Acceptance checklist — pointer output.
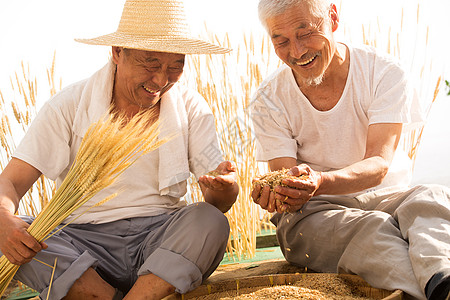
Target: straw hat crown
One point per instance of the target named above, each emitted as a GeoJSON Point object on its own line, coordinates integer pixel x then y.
{"type": "Point", "coordinates": [155, 25]}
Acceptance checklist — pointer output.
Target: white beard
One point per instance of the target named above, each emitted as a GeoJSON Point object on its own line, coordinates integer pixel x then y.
{"type": "Point", "coordinates": [314, 81]}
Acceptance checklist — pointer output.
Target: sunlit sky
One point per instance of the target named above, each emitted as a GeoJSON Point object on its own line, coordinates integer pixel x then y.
{"type": "Point", "coordinates": [30, 31]}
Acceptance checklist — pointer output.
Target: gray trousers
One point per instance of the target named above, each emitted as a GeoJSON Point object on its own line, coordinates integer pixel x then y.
{"type": "Point", "coordinates": [394, 240]}
{"type": "Point", "coordinates": [182, 248]}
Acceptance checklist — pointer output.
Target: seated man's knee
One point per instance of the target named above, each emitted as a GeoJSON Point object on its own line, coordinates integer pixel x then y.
{"type": "Point", "coordinates": [210, 218]}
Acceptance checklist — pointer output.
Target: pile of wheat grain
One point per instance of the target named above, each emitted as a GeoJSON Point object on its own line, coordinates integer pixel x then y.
{"type": "Point", "coordinates": [314, 287]}
{"type": "Point", "coordinates": [275, 178]}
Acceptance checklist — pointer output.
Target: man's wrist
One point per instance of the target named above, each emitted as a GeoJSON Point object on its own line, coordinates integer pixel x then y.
{"type": "Point", "coordinates": [321, 183]}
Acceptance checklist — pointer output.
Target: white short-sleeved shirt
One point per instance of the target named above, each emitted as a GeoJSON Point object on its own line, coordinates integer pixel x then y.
{"type": "Point", "coordinates": [155, 183]}
{"type": "Point", "coordinates": [376, 91]}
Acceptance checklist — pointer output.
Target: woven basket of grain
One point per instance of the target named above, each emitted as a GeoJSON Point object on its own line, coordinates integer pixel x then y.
{"type": "Point", "coordinates": [291, 286]}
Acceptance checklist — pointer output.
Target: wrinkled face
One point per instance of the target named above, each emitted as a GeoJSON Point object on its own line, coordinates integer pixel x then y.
{"type": "Point", "coordinates": [304, 42]}
{"type": "Point", "coordinates": [142, 77]}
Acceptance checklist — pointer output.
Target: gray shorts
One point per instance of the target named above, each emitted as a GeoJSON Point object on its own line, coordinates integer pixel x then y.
{"type": "Point", "coordinates": [183, 248]}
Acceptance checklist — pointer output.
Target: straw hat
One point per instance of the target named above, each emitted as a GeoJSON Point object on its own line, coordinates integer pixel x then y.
{"type": "Point", "coordinates": [155, 25]}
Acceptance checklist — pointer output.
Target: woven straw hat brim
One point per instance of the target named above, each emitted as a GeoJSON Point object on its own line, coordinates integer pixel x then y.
{"type": "Point", "coordinates": [172, 44]}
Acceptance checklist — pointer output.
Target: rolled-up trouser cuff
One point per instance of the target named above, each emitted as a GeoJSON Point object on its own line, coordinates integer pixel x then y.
{"type": "Point", "coordinates": [61, 286]}
{"type": "Point", "coordinates": [173, 268]}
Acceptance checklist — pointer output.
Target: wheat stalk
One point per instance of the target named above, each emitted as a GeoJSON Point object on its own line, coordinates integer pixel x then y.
{"type": "Point", "coordinates": [109, 147]}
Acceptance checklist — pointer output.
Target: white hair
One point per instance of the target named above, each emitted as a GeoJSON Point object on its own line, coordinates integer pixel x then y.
{"type": "Point", "coordinates": [271, 8]}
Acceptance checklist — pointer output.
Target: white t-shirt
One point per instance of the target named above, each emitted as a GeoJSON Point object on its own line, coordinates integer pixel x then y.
{"type": "Point", "coordinates": [376, 91]}
{"type": "Point", "coordinates": [155, 183]}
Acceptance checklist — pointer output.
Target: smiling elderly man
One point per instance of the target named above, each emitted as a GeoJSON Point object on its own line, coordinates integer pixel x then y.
{"type": "Point", "coordinates": [145, 243]}
{"type": "Point", "coordinates": [335, 112]}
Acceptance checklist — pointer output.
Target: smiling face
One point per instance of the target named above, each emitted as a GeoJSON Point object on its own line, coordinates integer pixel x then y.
{"type": "Point", "coordinates": [304, 42]}
{"type": "Point", "coordinates": [142, 77]}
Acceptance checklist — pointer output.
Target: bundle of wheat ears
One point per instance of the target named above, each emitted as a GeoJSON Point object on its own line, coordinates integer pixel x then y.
{"type": "Point", "coordinates": [108, 148]}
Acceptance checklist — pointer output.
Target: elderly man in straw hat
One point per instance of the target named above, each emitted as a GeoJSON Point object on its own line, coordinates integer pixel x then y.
{"type": "Point", "coordinates": [145, 243]}
{"type": "Point", "coordinates": [335, 112]}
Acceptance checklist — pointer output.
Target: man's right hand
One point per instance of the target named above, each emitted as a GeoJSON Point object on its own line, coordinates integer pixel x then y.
{"type": "Point", "coordinates": [263, 196]}
{"type": "Point", "coordinates": [16, 243]}
{"type": "Point", "coordinates": [281, 199]}
{"type": "Point", "coordinates": [292, 196]}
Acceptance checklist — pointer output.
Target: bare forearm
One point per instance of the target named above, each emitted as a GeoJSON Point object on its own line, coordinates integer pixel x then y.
{"type": "Point", "coordinates": [223, 200]}
{"type": "Point", "coordinates": [15, 180]}
{"type": "Point", "coordinates": [9, 200]}
{"type": "Point", "coordinates": [354, 178]}
{"type": "Point", "coordinates": [221, 189]}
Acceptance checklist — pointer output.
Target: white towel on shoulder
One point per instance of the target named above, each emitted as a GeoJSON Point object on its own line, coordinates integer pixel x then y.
{"type": "Point", "coordinates": [173, 155]}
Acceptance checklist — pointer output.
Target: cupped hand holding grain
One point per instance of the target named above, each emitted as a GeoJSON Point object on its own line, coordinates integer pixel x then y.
{"type": "Point", "coordinates": [222, 178]}
{"type": "Point", "coordinates": [264, 196]}
{"type": "Point", "coordinates": [219, 187]}
{"type": "Point", "coordinates": [298, 188]}
{"type": "Point", "coordinates": [286, 190]}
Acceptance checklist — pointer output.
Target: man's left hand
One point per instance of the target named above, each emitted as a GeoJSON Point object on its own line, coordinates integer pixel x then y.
{"type": "Point", "coordinates": [222, 178]}
{"type": "Point", "coordinates": [219, 187]}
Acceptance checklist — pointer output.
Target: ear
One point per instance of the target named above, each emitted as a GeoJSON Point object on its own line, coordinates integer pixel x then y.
{"type": "Point", "coordinates": [334, 17]}
{"type": "Point", "coordinates": [116, 53]}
